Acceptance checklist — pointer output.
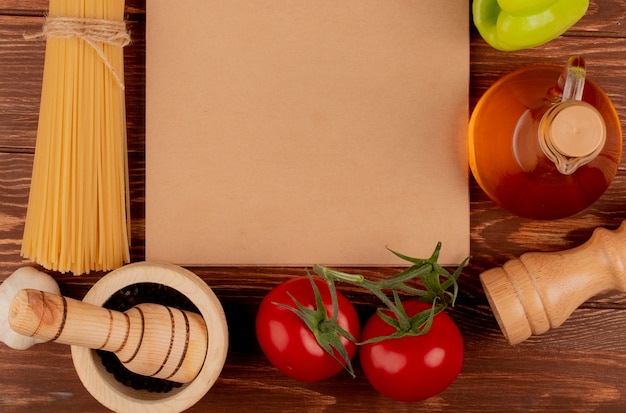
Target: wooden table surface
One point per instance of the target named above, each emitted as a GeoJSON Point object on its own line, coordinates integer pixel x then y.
{"type": "Point", "coordinates": [580, 367]}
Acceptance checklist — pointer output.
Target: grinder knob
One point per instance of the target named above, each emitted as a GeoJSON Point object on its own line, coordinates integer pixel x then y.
{"type": "Point", "coordinates": [539, 290]}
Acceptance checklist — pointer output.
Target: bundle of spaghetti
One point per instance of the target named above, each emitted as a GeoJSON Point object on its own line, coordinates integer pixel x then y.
{"type": "Point", "coordinates": [78, 210]}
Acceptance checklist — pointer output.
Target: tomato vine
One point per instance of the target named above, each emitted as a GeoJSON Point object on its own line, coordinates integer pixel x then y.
{"type": "Point", "coordinates": [437, 283]}
{"type": "Point", "coordinates": [440, 290]}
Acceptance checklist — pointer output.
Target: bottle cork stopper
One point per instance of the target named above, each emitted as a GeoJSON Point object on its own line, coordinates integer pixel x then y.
{"type": "Point", "coordinates": [578, 130]}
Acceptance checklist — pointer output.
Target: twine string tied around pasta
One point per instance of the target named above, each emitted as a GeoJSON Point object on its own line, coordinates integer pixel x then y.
{"type": "Point", "coordinates": [92, 31]}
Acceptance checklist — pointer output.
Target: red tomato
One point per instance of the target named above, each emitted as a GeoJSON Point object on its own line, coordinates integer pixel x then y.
{"type": "Point", "coordinates": [412, 368]}
{"type": "Point", "coordinates": [286, 340]}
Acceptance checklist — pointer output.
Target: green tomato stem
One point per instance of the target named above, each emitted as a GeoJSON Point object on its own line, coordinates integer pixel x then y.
{"type": "Point", "coordinates": [427, 270]}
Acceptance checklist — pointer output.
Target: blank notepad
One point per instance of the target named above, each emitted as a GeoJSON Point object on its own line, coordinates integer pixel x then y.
{"type": "Point", "coordinates": [294, 132]}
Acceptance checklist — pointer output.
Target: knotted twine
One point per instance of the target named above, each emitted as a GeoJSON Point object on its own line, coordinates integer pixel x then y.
{"type": "Point", "coordinates": [91, 31]}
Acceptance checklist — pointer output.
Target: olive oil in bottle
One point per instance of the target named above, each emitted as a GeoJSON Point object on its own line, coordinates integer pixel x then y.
{"type": "Point", "coordinates": [545, 142]}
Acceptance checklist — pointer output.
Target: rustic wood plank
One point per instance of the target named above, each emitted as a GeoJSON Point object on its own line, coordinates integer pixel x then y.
{"type": "Point", "coordinates": [50, 385]}
{"type": "Point", "coordinates": [579, 367]}
{"type": "Point", "coordinates": [568, 369]}
{"type": "Point", "coordinates": [15, 175]}
{"type": "Point", "coordinates": [14, 187]}
{"type": "Point", "coordinates": [603, 17]}
{"type": "Point", "coordinates": [21, 74]}
{"type": "Point", "coordinates": [38, 7]}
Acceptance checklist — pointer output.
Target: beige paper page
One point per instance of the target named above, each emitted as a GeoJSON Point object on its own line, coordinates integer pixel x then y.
{"type": "Point", "coordinates": [296, 132]}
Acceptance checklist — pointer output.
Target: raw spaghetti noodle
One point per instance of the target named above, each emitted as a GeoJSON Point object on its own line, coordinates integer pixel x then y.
{"type": "Point", "coordinates": [78, 210]}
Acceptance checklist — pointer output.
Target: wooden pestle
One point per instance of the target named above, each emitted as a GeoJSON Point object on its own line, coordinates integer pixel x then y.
{"type": "Point", "coordinates": [540, 290]}
{"type": "Point", "coordinates": [149, 339]}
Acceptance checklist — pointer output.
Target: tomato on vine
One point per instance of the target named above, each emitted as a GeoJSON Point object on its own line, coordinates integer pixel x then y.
{"type": "Point", "coordinates": [414, 367]}
{"type": "Point", "coordinates": [411, 349]}
{"type": "Point", "coordinates": [307, 329]}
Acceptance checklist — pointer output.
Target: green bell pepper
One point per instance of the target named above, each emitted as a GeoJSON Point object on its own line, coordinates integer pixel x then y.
{"type": "Point", "coordinates": [522, 24]}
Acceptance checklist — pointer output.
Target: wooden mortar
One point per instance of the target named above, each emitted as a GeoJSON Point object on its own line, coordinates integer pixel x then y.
{"type": "Point", "coordinates": [120, 398]}
{"type": "Point", "coordinates": [539, 290]}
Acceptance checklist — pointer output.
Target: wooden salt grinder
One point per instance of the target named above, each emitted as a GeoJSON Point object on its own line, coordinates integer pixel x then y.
{"type": "Point", "coordinates": [149, 339]}
{"type": "Point", "coordinates": [540, 290]}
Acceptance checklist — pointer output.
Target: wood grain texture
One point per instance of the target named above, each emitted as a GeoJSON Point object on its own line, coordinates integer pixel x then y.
{"type": "Point", "coordinates": [580, 367]}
